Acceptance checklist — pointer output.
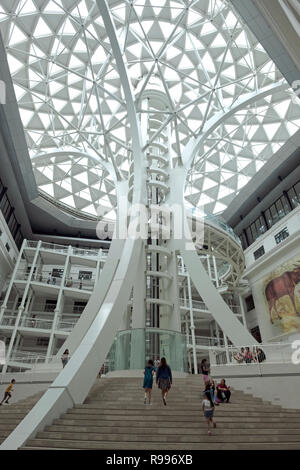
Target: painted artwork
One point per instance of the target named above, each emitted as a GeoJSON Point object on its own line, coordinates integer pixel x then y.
{"type": "Point", "coordinates": [281, 291]}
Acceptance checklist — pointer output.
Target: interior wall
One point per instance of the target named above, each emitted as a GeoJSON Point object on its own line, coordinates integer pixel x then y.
{"type": "Point", "coordinates": [281, 319]}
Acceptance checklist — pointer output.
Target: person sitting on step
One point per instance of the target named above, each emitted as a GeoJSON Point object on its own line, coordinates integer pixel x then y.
{"type": "Point", "coordinates": [223, 391]}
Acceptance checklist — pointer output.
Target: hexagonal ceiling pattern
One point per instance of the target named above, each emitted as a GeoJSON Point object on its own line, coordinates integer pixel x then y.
{"type": "Point", "coordinates": [72, 104]}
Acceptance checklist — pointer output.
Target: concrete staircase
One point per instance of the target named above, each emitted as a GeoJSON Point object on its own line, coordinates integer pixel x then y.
{"type": "Point", "coordinates": [11, 415]}
{"type": "Point", "coordinates": [114, 417]}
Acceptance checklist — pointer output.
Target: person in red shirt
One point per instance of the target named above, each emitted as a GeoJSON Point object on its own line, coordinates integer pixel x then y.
{"type": "Point", "coordinates": [248, 356]}
{"type": "Point", "coordinates": [223, 392]}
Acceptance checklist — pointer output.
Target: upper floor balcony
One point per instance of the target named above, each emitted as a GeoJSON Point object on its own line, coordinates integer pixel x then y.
{"type": "Point", "coordinates": [39, 325]}
{"type": "Point", "coordinates": [286, 228]}
{"type": "Point", "coordinates": [53, 253]}
{"type": "Point", "coordinates": [54, 282]}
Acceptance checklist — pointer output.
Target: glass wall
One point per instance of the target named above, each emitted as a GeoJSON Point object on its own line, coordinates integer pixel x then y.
{"type": "Point", "coordinates": [131, 349]}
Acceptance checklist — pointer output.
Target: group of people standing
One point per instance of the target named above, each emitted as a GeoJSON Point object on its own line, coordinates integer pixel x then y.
{"type": "Point", "coordinates": [247, 356]}
{"type": "Point", "coordinates": [163, 378]}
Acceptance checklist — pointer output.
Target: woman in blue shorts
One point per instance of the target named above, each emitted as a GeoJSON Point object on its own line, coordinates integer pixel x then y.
{"type": "Point", "coordinates": [148, 380]}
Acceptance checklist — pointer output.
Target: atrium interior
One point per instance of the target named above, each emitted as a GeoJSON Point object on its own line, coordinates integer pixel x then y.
{"type": "Point", "coordinates": [149, 208]}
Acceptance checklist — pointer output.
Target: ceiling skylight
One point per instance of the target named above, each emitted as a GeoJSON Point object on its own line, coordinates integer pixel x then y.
{"type": "Point", "coordinates": [72, 104]}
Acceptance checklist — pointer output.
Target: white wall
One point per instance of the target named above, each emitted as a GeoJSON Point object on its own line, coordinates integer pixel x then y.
{"type": "Point", "coordinates": [251, 319]}
{"type": "Point", "coordinates": [7, 258]}
{"type": "Point", "coordinates": [291, 221]}
{"type": "Point", "coordinates": [280, 383]}
{"type": "Point", "coordinates": [285, 252]}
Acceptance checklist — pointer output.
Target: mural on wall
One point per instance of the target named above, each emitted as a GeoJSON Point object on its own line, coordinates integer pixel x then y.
{"type": "Point", "coordinates": [281, 290]}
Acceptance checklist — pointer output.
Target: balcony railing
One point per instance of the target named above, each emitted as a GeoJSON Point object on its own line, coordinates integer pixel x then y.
{"type": "Point", "coordinates": [38, 277]}
{"type": "Point", "coordinates": [196, 304]}
{"type": "Point", "coordinates": [206, 341]}
{"type": "Point", "coordinates": [29, 358]}
{"type": "Point", "coordinates": [8, 321]}
{"type": "Point", "coordinates": [66, 326]}
{"type": "Point", "coordinates": [56, 281]}
{"type": "Point", "coordinates": [40, 323]}
{"type": "Point", "coordinates": [44, 309]}
{"type": "Point", "coordinates": [37, 323]}
{"type": "Point", "coordinates": [199, 305]}
{"type": "Point", "coordinates": [275, 353]}
{"type": "Point", "coordinates": [64, 249]}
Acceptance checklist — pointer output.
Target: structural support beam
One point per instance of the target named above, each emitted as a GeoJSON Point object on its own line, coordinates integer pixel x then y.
{"type": "Point", "coordinates": [220, 311]}
{"type": "Point", "coordinates": [75, 381]}
{"type": "Point", "coordinates": [213, 123]}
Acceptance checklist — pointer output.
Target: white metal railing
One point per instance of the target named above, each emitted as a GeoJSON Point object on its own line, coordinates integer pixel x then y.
{"type": "Point", "coordinates": [47, 324]}
{"type": "Point", "coordinates": [199, 305]}
{"type": "Point", "coordinates": [40, 323]}
{"type": "Point", "coordinates": [64, 249]}
{"type": "Point", "coordinates": [81, 284]}
{"type": "Point", "coordinates": [8, 321]}
{"type": "Point", "coordinates": [196, 304]}
{"type": "Point", "coordinates": [37, 323]}
{"type": "Point", "coordinates": [83, 252]}
{"type": "Point", "coordinates": [27, 357]}
{"type": "Point", "coordinates": [206, 341]}
{"type": "Point", "coordinates": [270, 353]}
{"type": "Point", "coordinates": [44, 309]}
{"type": "Point", "coordinates": [65, 326]}
{"type": "Point", "coordinates": [30, 359]}
{"type": "Point", "coordinates": [38, 277]}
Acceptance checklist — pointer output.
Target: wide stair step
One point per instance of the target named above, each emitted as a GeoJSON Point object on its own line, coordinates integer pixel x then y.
{"type": "Point", "coordinates": [11, 415]}
{"type": "Point", "coordinates": [115, 417]}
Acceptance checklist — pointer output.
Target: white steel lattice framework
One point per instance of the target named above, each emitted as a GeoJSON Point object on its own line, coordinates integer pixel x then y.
{"type": "Point", "coordinates": [71, 100]}
{"type": "Point", "coordinates": [186, 105]}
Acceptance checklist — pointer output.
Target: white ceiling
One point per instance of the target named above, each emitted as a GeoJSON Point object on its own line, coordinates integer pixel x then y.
{"type": "Point", "coordinates": [72, 105]}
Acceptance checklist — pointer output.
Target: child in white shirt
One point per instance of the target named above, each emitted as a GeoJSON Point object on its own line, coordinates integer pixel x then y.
{"type": "Point", "coordinates": [208, 410]}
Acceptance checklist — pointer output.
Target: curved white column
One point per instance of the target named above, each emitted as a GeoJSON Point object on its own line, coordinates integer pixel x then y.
{"type": "Point", "coordinates": [192, 147]}
{"type": "Point", "coordinates": [76, 379]}
{"type": "Point", "coordinates": [220, 311]}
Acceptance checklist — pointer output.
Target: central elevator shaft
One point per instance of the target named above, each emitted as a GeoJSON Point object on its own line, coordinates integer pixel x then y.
{"type": "Point", "coordinates": [155, 294]}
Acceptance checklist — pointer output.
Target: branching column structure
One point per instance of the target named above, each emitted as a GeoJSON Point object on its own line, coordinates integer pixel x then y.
{"type": "Point", "coordinates": [223, 84]}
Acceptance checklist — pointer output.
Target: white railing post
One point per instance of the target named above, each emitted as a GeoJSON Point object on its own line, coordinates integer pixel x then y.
{"type": "Point", "coordinates": [59, 302]}
{"type": "Point", "coordinates": [12, 279]}
{"type": "Point", "coordinates": [192, 325]}
{"type": "Point", "coordinates": [24, 304]}
{"type": "Point", "coordinates": [216, 271]}
{"type": "Point", "coordinates": [241, 302]}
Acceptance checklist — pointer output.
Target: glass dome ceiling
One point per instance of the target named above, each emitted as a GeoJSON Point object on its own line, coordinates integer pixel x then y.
{"type": "Point", "coordinates": [72, 104]}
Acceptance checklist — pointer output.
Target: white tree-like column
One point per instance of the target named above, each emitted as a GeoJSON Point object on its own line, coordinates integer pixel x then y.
{"type": "Point", "coordinates": [172, 105]}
